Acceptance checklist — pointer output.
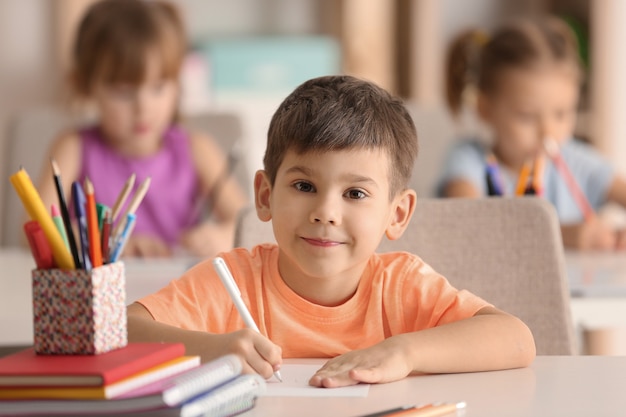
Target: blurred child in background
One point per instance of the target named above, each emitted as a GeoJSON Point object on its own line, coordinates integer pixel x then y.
{"type": "Point", "coordinates": [525, 79]}
{"type": "Point", "coordinates": [127, 57]}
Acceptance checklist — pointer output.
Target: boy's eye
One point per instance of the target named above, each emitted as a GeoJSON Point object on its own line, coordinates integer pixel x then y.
{"type": "Point", "coordinates": [356, 194]}
{"type": "Point", "coordinates": [304, 187]}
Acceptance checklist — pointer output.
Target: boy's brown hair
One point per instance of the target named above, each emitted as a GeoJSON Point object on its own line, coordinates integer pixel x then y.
{"type": "Point", "coordinates": [334, 113]}
{"type": "Point", "coordinates": [115, 38]}
{"type": "Point", "coordinates": [475, 59]}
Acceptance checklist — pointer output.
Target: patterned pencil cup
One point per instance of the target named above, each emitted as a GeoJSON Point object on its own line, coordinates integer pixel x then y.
{"type": "Point", "coordinates": [79, 312]}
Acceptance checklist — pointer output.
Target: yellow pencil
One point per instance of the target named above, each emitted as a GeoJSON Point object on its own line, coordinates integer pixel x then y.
{"type": "Point", "coordinates": [37, 211]}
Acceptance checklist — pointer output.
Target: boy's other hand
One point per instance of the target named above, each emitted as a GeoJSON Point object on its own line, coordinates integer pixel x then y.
{"type": "Point", "coordinates": [383, 362]}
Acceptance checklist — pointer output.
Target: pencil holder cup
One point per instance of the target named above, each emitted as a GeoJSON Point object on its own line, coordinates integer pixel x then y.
{"type": "Point", "coordinates": [79, 312]}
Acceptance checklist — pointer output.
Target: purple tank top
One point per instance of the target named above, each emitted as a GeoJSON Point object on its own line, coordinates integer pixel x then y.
{"type": "Point", "coordinates": [169, 205]}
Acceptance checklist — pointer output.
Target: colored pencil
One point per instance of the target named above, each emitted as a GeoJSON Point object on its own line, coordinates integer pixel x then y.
{"type": "Point", "coordinates": [121, 198]}
{"type": "Point", "coordinates": [39, 246]}
{"type": "Point", "coordinates": [37, 211]}
{"type": "Point", "coordinates": [538, 170]}
{"type": "Point", "coordinates": [581, 200]}
{"type": "Point", "coordinates": [93, 231]}
{"type": "Point", "coordinates": [120, 242]}
{"type": "Point", "coordinates": [65, 214]}
{"type": "Point", "coordinates": [106, 235]}
{"type": "Point", "coordinates": [431, 410]}
{"type": "Point", "coordinates": [494, 182]}
{"type": "Point", "coordinates": [58, 222]}
{"type": "Point", "coordinates": [79, 201]}
{"type": "Point", "coordinates": [522, 182]}
{"type": "Point", "coordinates": [132, 206]}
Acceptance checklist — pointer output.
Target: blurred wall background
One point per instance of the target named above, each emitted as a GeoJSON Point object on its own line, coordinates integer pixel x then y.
{"type": "Point", "coordinates": [399, 44]}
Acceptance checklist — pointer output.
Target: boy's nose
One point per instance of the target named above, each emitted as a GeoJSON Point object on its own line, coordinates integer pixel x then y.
{"type": "Point", "coordinates": [325, 212]}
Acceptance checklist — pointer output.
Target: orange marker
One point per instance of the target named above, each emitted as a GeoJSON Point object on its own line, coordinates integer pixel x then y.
{"type": "Point", "coordinates": [95, 251]}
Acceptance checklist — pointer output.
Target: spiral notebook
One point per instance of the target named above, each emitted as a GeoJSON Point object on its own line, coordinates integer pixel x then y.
{"type": "Point", "coordinates": [215, 389]}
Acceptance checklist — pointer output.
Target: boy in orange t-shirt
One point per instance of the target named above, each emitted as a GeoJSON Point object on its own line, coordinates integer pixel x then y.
{"type": "Point", "coordinates": [339, 157]}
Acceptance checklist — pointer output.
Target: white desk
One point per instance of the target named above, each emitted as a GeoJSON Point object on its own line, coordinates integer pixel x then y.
{"type": "Point", "coordinates": [143, 277]}
{"type": "Point", "coordinates": [553, 386]}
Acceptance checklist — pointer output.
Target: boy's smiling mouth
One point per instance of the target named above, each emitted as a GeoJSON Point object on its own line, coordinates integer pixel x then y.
{"type": "Point", "coordinates": [321, 242]}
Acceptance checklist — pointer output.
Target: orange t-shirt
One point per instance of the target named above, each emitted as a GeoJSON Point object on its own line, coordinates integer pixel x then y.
{"type": "Point", "coordinates": [398, 293]}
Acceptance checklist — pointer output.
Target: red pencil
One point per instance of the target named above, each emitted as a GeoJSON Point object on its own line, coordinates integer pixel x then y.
{"type": "Point", "coordinates": [95, 250]}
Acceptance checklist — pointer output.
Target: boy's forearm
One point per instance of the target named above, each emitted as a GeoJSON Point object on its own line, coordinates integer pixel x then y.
{"type": "Point", "coordinates": [143, 328]}
{"type": "Point", "coordinates": [481, 343]}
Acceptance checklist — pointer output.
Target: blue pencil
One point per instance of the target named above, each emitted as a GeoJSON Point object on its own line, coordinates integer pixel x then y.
{"type": "Point", "coordinates": [120, 242]}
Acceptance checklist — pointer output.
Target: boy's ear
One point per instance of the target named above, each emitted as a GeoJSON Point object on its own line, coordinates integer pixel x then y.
{"type": "Point", "coordinates": [262, 193]}
{"type": "Point", "coordinates": [403, 209]}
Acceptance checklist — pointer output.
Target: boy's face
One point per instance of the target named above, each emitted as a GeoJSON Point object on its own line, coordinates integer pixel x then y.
{"type": "Point", "coordinates": [329, 212]}
{"type": "Point", "coordinates": [529, 106]}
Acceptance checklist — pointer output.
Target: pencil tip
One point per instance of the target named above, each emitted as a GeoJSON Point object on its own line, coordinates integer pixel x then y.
{"type": "Point", "coordinates": [55, 167]}
{"type": "Point", "coordinates": [278, 376]}
{"type": "Point", "coordinates": [88, 186]}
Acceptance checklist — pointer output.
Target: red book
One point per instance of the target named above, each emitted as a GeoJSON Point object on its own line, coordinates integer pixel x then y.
{"type": "Point", "coordinates": [27, 369]}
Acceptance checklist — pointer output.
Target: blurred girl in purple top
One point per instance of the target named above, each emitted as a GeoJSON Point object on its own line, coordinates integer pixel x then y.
{"type": "Point", "coordinates": [126, 60]}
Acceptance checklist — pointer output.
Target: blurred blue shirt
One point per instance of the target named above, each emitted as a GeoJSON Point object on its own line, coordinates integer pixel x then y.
{"type": "Point", "coordinates": [467, 160]}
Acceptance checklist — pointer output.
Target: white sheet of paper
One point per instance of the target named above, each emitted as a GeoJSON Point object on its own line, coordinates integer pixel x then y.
{"type": "Point", "coordinates": [296, 384]}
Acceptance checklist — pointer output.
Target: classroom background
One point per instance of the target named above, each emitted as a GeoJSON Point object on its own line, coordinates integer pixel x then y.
{"type": "Point", "coordinates": [247, 55]}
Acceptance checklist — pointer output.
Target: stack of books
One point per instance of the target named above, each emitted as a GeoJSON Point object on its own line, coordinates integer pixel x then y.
{"type": "Point", "coordinates": [141, 379]}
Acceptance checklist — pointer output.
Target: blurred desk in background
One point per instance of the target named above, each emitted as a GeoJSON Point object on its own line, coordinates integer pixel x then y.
{"type": "Point", "coordinates": [143, 277]}
{"type": "Point", "coordinates": [598, 290]}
